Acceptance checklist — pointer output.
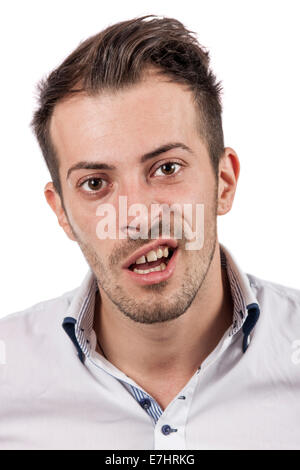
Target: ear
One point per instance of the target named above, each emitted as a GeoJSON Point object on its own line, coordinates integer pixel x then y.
{"type": "Point", "coordinates": [54, 201]}
{"type": "Point", "coordinates": [229, 170]}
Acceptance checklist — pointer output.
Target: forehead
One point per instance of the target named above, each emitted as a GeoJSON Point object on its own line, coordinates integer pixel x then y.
{"type": "Point", "coordinates": [119, 126]}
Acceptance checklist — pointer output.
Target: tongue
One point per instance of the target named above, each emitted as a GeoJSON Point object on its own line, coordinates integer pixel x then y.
{"type": "Point", "coordinates": [148, 265]}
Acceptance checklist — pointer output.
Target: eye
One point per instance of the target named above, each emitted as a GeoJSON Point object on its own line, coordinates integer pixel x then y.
{"type": "Point", "coordinates": [93, 184]}
{"type": "Point", "coordinates": [168, 169]}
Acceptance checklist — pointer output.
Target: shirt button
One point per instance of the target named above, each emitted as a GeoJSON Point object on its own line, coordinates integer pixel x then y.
{"type": "Point", "coordinates": [145, 403]}
{"type": "Point", "coordinates": [166, 429]}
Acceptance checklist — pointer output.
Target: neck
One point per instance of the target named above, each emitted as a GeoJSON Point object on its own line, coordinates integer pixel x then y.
{"type": "Point", "coordinates": [168, 352]}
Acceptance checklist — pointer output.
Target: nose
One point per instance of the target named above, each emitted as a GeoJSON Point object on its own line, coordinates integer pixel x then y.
{"type": "Point", "coordinates": [138, 209]}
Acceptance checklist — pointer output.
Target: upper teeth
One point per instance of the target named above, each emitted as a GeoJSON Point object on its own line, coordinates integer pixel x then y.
{"type": "Point", "coordinates": [153, 255]}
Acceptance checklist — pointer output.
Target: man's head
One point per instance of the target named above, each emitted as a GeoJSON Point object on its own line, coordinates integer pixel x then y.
{"type": "Point", "coordinates": [135, 112]}
{"type": "Point", "coordinates": [116, 58]}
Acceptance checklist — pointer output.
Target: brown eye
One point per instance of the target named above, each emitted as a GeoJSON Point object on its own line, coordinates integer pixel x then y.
{"type": "Point", "coordinates": [168, 169]}
{"type": "Point", "coordinates": [93, 184]}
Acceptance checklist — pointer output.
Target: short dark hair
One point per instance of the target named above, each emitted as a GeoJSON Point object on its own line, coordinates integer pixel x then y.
{"type": "Point", "coordinates": [116, 58]}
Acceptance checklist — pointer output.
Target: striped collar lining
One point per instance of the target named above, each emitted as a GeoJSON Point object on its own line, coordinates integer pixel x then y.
{"type": "Point", "coordinates": [81, 310]}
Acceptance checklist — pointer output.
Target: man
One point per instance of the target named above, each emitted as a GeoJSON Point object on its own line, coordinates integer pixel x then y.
{"type": "Point", "coordinates": [166, 344]}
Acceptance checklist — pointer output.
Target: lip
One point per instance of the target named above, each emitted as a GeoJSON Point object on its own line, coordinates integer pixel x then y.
{"type": "Point", "coordinates": [145, 249]}
{"type": "Point", "coordinates": [156, 276]}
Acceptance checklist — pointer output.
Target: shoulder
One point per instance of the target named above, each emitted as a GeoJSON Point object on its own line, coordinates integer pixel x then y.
{"type": "Point", "coordinates": [34, 351]}
{"type": "Point", "coordinates": [32, 338]}
{"type": "Point", "coordinates": [273, 292]}
{"type": "Point", "coordinates": [38, 314]}
{"type": "Point", "coordinates": [276, 338]}
{"type": "Point", "coordinates": [279, 309]}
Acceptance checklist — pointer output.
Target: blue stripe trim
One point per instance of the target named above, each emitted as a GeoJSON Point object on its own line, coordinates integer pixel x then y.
{"type": "Point", "coordinates": [85, 319]}
{"type": "Point", "coordinates": [154, 410]}
{"type": "Point", "coordinates": [69, 327]}
{"type": "Point", "coordinates": [250, 322]}
{"type": "Point", "coordinates": [239, 304]}
{"type": "Point", "coordinates": [80, 335]}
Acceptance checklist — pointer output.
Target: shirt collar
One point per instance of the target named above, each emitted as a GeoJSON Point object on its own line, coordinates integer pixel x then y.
{"type": "Point", "coordinates": [78, 323]}
{"type": "Point", "coordinates": [246, 308]}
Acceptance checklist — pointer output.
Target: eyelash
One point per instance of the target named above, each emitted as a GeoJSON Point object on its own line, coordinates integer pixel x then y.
{"type": "Point", "coordinates": [80, 185]}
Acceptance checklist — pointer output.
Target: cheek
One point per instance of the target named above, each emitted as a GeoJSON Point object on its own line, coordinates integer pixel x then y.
{"type": "Point", "coordinates": [86, 225]}
{"type": "Point", "coordinates": [83, 222]}
{"type": "Point", "coordinates": [199, 212]}
{"type": "Point", "coordinates": [81, 213]}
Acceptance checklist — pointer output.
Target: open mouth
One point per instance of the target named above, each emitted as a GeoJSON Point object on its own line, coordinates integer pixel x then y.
{"type": "Point", "coordinates": [154, 261]}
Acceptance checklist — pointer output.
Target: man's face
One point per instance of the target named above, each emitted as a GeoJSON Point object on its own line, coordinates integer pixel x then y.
{"type": "Point", "coordinates": [117, 129]}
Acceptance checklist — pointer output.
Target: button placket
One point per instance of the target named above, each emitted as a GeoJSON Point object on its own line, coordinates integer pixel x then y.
{"type": "Point", "coordinates": [170, 430]}
{"type": "Point", "coordinates": [145, 403]}
{"type": "Point", "coordinates": [166, 429]}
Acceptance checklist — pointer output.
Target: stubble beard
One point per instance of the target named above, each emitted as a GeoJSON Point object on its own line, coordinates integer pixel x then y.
{"type": "Point", "coordinates": [157, 306]}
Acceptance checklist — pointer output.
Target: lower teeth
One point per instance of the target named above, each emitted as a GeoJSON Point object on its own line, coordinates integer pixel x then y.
{"type": "Point", "coordinates": [161, 267]}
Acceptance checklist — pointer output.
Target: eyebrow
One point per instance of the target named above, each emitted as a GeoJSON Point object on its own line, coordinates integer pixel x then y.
{"type": "Point", "coordinates": [147, 156]}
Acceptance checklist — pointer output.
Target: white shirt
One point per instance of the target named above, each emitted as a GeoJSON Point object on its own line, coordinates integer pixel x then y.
{"type": "Point", "coordinates": [57, 392]}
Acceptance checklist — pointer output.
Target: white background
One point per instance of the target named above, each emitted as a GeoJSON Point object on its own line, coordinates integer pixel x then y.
{"type": "Point", "coordinates": [254, 47]}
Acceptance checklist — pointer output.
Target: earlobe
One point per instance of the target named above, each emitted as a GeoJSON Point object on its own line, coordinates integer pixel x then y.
{"type": "Point", "coordinates": [229, 169]}
{"type": "Point", "coordinates": [54, 201]}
